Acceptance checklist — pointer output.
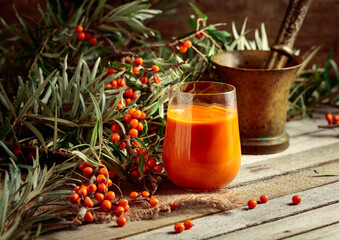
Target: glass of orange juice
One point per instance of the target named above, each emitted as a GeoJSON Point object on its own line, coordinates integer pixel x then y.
{"type": "Point", "coordinates": [202, 143]}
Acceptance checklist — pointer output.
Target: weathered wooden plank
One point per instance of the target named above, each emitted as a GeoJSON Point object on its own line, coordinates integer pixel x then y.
{"type": "Point", "coordinates": [285, 164]}
{"type": "Point", "coordinates": [290, 226]}
{"type": "Point", "coordinates": [242, 218]}
{"type": "Point", "coordinates": [304, 135]}
{"type": "Point", "coordinates": [330, 232]}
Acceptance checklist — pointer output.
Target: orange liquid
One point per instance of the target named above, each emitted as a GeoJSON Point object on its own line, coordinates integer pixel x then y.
{"type": "Point", "coordinates": [202, 146]}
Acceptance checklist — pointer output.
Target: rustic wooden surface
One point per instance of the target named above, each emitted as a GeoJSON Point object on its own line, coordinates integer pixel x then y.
{"type": "Point", "coordinates": [280, 176]}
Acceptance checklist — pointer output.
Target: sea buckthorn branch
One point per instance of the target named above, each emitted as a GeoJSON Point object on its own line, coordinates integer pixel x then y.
{"type": "Point", "coordinates": [178, 41]}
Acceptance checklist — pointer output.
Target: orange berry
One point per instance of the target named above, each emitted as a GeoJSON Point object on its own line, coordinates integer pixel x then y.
{"type": "Point", "coordinates": [122, 146]}
{"type": "Point", "coordinates": [179, 227]}
{"type": "Point", "coordinates": [102, 187]}
{"type": "Point", "coordinates": [188, 224]}
{"type": "Point", "coordinates": [128, 101]}
{"type": "Point", "coordinates": [121, 82]}
{"type": "Point", "coordinates": [140, 127]}
{"type": "Point", "coordinates": [115, 128]}
{"type": "Point", "coordinates": [156, 79]}
{"type": "Point", "coordinates": [31, 155]}
{"type": "Point", "coordinates": [135, 174]}
{"type": "Point", "coordinates": [115, 137]}
{"type": "Point", "coordinates": [135, 96]}
{"type": "Point", "coordinates": [136, 144]}
{"type": "Point", "coordinates": [120, 106]}
{"type": "Point", "coordinates": [200, 35]}
{"type": "Point", "coordinates": [82, 166]}
{"type": "Point", "coordinates": [114, 83]}
{"type": "Point", "coordinates": [329, 118]}
{"type": "Point", "coordinates": [263, 198]}
{"type": "Point", "coordinates": [76, 189]}
{"type": "Point", "coordinates": [144, 169]}
{"type": "Point", "coordinates": [79, 29]}
{"type": "Point", "coordinates": [87, 171]}
{"type": "Point", "coordinates": [142, 151]}
{"type": "Point", "coordinates": [81, 36]}
{"type": "Point", "coordinates": [133, 132]}
{"type": "Point", "coordinates": [93, 40]}
{"type": "Point", "coordinates": [101, 178]}
{"type": "Point", "coordinates": [187, 44]}
{"type": "Point", "coordinates": [135, 70]}
{"type": "Point", "coordinates": [155, 68]}
{"type": "Point", "coordinates": [121, 221]}
{"type": "Point", "coordinates": [99, 197]}
{"type": "Point", "coordinates": [335, 119]}
{"type": "Point", "coordinates": [128, 117]}
{"type": "Point", "coordinates": [111, 174]}
{"type": "Point", "coordinates": [296, 199]}
{"type": "Point", "coordinates": [131, 111]}
{"type": "Point", "coordinates": [83, 191]}
{"type": "Point", "coordinates": [106, 205]}
{"type": "Point", "coordinates": [252, 204]}
{"type": "Point", "coordinates": [103, 171]}
{"type": "Point", "coordinates": [133, 195]}
{"type": "Point", "coordinates": [17, 152]}
{"type": "Point", "coordinates": [143, 80]}
{"type": "Point", "coordinates": [92, 188]}
{"type": "Point", "coordinates": [110, 195]}
{"type": "Point", "coordinates": [151, 163]}
{"type": "Point", "coordinates": [108, 85]}
{"type": "Point", "coordinates": [122, 68]}
{"type": "Point", "coordinates": [158, 168]}
{"type": "Point", "coordinates": [73, 197]}
{"type": "Point", "coordinates": [128, 92]}
{"type": "Point", "coordinates": [173, 206]}
{"type": "Point", "coordinates": [145, 194]}
{"type": "Point", "coordinates": [123, 202]}
{"type": "Point", "coordinates": [126, 208]}
{"type": "Point", "coordinates": [88, 202]}
{"type": "Point", "coordinates": [138, 61]}
{"type": "Point", "coordinates": [88, 36]}
{"type": "Point", "coordinates": [109, 183]}
{"type": "Point", "coordinates": [88, 217]}
{"type": "Point", "coordinates": [143, 115]}
{"type": "Point", "coordinates": [137, 114]}
{"type": "Point", "coordinates": [153, 202]}
{"type": "Point", "coordinates": [119, 210]}
{"type": "Point", "coordinates": [85, 185]}
{"type": "Point", "coordinates": [182, 49]}
{"type": "Point", "coordinates": [134, 123]}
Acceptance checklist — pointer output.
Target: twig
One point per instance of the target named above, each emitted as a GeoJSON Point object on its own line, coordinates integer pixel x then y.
{"type": "Point", "coordinates": [200, 53]}
{"type": "Point", "coordinates": [176, 42]}
{"type": "Point", "coordinates": [329, 126]}
{"type": "Point", "coordinates": [129, 148]}
{"type": "Point", "coordinates": [42, 49]}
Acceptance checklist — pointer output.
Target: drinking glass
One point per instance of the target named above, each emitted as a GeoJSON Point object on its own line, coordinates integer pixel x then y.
{"type": "Point", "coordinates": [202, 143]}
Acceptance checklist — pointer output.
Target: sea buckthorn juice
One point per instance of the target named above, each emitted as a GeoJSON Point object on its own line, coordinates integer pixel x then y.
{"type": "Point", "coordinates": [202, 143]}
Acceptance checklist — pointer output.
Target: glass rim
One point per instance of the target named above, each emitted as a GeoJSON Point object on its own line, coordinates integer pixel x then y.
{"type": "Point", "coordinates": [232, 91]}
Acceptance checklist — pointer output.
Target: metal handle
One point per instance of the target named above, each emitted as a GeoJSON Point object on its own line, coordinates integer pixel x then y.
{"type": "Point", "coordinates": [288, 32]}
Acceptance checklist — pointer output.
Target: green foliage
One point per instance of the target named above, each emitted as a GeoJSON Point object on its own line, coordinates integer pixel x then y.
{"type": "Point", "coordinates": [21, 215]}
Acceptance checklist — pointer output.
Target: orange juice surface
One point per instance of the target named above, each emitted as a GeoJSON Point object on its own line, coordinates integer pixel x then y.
{"type": "Point", "coordinates": [202, 146]}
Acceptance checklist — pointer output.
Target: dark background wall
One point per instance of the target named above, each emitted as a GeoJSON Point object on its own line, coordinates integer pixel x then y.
{"type": "Point", "coordinates": [320, 26]}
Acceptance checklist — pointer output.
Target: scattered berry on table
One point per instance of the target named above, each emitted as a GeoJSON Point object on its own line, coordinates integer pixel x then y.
{"type": "Point", "coordinates": [179, 227]}
{"type": "Point", "coordinates": [252, 204]}
{"type": "Point", "coordinates": [296, 199]}
{"type": "Point", "coordinates": [263, 198]}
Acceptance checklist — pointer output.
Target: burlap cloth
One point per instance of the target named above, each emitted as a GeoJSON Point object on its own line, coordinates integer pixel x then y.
{"type": "Point", "coordinates": [167, 194]}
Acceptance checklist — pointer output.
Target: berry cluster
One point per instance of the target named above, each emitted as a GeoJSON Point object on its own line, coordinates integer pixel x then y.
{"type": "Point", "coordinates": [180, 227]}
{"type": "Point", "coordinates": [96, 194]}
{"type": "Point", "coordinates": [186, 45]}
{"type": "Point", "coordinates": [85, 36]}
{"type": "Point", "coordinates": [332, 120]}
{"type": "Point", "coordinates": [296, 199]}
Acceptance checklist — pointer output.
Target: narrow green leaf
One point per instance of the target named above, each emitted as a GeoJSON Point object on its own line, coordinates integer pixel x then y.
{"type": "Point", "coordinates": [9, 152]}
{"type": "Point", "coordinates": [36, 133]}
{"type": "Point", "coordinates": [198, 12]}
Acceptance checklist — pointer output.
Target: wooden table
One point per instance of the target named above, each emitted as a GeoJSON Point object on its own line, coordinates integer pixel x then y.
{"type": "Point", "coordinates": [280, 176]}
